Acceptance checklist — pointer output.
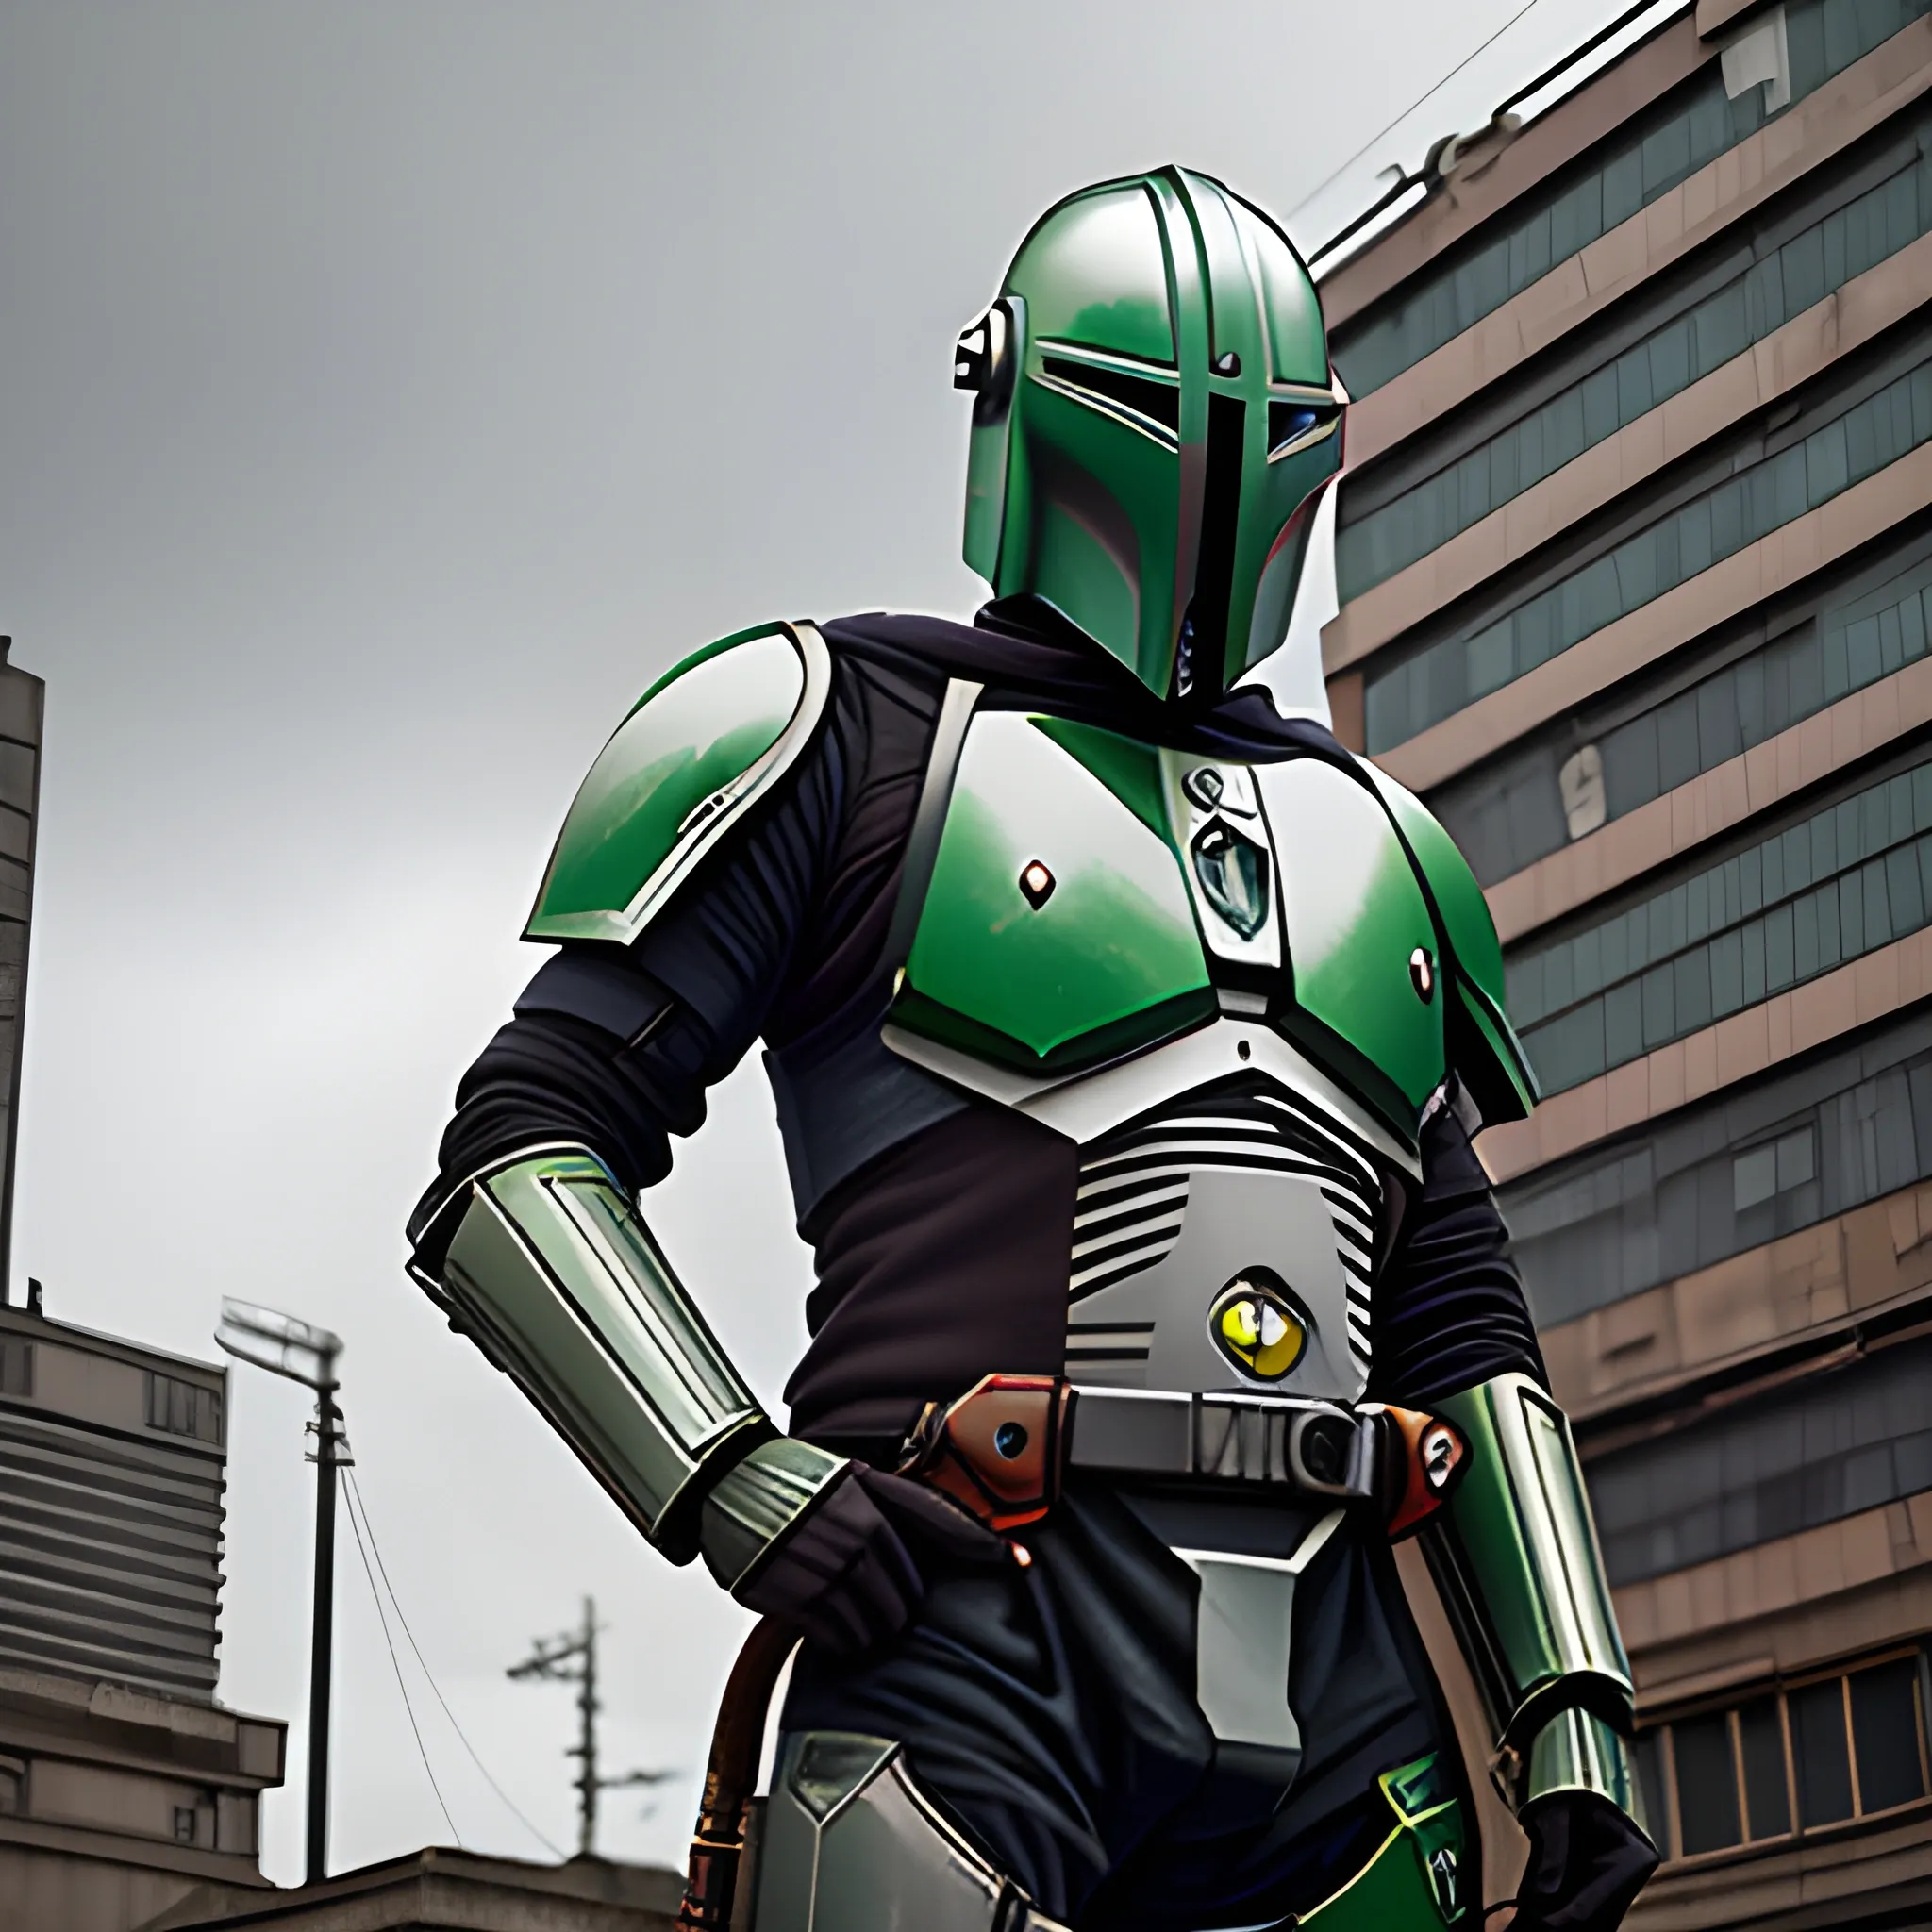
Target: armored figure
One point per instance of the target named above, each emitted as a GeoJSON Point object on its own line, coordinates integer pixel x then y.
{"type": "Point", "coordinates": [1127, 1037]}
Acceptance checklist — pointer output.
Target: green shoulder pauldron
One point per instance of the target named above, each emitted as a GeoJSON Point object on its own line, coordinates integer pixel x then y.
{"type": "Point", "coordinates": [1483, 1046]}
{"type": "Point", "coordinates": [709, 738]}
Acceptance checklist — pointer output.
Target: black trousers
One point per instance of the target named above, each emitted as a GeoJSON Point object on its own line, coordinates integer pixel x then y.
{"type": "Point", "coordinates": [1051, 1711]}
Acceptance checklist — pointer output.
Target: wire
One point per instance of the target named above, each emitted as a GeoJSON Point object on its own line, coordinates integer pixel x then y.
{"type": "Point", "coordinates": [395, 1664]}
{"type": "Point", "coordinates": [1434, 87]}
{"type": "Point", "coordinates": [515, 1809]}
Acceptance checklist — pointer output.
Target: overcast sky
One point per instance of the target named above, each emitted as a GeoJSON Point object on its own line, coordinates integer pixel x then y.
{"type": "Point", "coordinates": [388, 392]}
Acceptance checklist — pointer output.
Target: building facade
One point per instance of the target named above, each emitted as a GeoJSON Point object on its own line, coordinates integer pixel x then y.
{"type": "Point", "coordinates": [1634, 554]}
{"type": "Point", "coordinates": [124, 1783]}
{"type": "Point", "coordinates": [23, 702]}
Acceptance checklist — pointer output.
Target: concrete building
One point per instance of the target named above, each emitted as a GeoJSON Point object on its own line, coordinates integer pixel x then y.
{"type": "Point", "coordinates": [124, 1783]}
{"type": "Point", "coordinates": [22, 700]}
{"type": "Point", "coordinates": [1634, 549]}
{"type": "Point", "coordinates": [457, 1892]}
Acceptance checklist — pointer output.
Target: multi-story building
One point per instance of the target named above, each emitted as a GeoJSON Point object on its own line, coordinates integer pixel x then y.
{"type": "Point", "coordinates": [1634, 554]}
{"type": "Point", "coordinates": [124, 1783]}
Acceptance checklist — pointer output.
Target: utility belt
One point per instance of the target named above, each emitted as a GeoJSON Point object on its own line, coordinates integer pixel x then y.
{"type": "Point", "coordinates": [1004, 1447]}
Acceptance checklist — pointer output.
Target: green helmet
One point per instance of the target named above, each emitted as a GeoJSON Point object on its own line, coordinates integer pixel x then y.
{"type": "Point", "coordinates": [1154, 418]}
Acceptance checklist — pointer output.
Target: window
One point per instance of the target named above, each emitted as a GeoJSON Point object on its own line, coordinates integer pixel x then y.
{"type": "Point", "coordinates": [1661, 146]}
{"type": "Point", "coordinates": [1708, 1795]}
{"type": "Point", "coordinates": [184, 1824]}
{"type": "Point", "coordinates": [1844, 1441]}
{"type": "Point", "coordinates": [1779, 1171]}
{"type": "Point", "coordinates": [1614, 1221]}
{"type": "Point", "coordinates": [1831, 642]}
{"type": "Point", "coordinates": [183, 1408]}
{"type": "Point", "coordinates": [16, 1366]}
{"type": "Point", "coordinates": [1761, 1760]}
{"type": "Point", "coordinates": [1848, 1747]}
{"type": "Point", "coordinates": [1841, 882]}
{"type": "Point", "coordinates": [1386, 534]}
{"type": "Point", "coordinates": [1452, 673]}
{"type": "Point", "coordinates": [1772, 1185]}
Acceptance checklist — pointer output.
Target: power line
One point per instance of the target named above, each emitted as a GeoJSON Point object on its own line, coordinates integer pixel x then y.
{"type": "Point", "coordinates": [514, 1808]}
{"type": "Point", "coordinates": [395, 1664]}
{"type": "Point", "coordinates": [1434, 87]}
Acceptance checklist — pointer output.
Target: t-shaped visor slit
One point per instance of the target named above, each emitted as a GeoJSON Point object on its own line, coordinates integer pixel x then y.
{"type": "Point", "coordinates": [1207, 619]}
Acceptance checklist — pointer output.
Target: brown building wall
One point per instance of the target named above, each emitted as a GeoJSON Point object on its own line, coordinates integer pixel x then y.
{"type": "Point", "coordinates": [1747, 578]}
{"type": "Point", "coordinates": [1695, 213]}
{"type": "Point", "coordinates": [1760, 1332]}
{"type": "Point", "coordinates": [1845, 320]}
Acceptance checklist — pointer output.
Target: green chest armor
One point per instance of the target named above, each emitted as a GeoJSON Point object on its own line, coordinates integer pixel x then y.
{"type": "Point", "coordinates": [1091, 898]}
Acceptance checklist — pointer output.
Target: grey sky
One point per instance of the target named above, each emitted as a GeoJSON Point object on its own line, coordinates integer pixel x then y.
{"type": "Point", "coordinates": [389, 391]}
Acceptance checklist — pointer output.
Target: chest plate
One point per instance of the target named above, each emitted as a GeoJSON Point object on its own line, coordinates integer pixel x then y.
{"type": "Point", "coordinates": [1092, 897]}
{"type": "Point", "coordinates": [1057, 930]}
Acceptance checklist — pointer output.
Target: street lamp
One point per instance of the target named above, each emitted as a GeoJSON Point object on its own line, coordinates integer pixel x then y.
{"type": "Point", "coordinates": [307, 1355]}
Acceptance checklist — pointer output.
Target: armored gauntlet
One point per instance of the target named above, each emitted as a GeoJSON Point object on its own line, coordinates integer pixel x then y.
{"type": "Point", "coordinates": [547, 1264]}
{"type": "Point", "coordinates": [1515, 1556]}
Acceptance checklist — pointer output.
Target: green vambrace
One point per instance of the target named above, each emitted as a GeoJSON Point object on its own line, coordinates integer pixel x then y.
{"type": "Point", "coordinates": [547, 1264]}
{"type": "Point", "coordinates": [1514, 1554]}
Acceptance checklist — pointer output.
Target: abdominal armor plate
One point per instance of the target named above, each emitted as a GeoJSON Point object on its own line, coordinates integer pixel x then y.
{"type": "Point", "coordinates": [1223, 1242]}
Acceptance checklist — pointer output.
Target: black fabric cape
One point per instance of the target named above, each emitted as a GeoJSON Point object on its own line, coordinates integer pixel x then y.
{"type": "Point", "coordinates": [1027, 655]}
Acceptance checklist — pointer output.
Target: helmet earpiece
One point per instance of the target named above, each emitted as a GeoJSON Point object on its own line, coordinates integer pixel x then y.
{"type": "Point", "coordinates": [983, 362]}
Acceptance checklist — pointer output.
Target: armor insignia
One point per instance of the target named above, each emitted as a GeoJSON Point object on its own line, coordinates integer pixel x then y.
{"type": "Point", "coordinates": [1257, 1324]}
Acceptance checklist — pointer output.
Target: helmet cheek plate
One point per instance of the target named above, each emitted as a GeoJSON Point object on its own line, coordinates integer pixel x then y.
{"type": "Point", "coordinates": [1153, 418]}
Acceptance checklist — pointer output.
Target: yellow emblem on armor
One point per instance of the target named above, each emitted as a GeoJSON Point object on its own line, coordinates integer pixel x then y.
{"type": "Point", "coordinates": [1256, 1325]}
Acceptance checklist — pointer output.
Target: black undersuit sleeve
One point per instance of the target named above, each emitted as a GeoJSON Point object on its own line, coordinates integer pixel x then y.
{"type": "Point", "coordinates": [1450, 1310]}
{"type": "Point", "coordinates": [611, 1048]}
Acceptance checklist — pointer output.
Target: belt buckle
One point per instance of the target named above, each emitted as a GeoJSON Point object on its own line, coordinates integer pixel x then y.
{"type": "Point", "coordinates": [1330, 1452]}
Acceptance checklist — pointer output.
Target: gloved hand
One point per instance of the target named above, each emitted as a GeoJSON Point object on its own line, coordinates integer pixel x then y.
{"type": "Point", "coordinates": [1588, 1860]}
{"type": "Point", "coordinates": [845, 1569]}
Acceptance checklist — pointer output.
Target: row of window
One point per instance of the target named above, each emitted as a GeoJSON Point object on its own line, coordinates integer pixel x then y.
{"type": "Point", "coordinates": [1847, 1746]}
{"type": "Point", "coordinates": [1819, 847]}
{"type": "Point", "coordinates": [1685, 1193]}
{"type": "Point", "coordinates": [1515, 812]}
{"type": "Point", "coordinates": [183, 1408]}
{"type": "Point", "coordinates": [1446, 677]}
{"type": "Point", "coordinates": [1647, 157]}
{"type": "Point", "coordinates": [1788, 280]}
{"type": "Point", "coordinates": [1798, 941]}
{"type": "Point", "coordinates": [1852, 1439]}
{"type": "Point", "coordinates": [1843, 883]}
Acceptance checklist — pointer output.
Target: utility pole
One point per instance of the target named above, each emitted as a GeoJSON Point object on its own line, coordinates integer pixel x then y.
{"type": "Point", "coordinates": [572, 1658]}
{"type": "Point", "coordinates": [307, 1355]}
{"type": "Point", "coordinates": [331, 1454]}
